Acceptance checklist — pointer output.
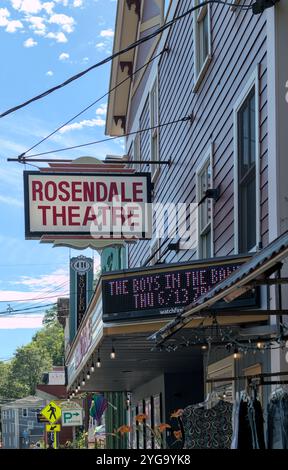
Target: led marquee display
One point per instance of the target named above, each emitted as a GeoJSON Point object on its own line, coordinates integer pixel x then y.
{"type": "Point", "coordinates": [163, 292]}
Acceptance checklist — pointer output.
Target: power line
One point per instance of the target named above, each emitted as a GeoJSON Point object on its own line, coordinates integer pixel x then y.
{"type": "Point", "coordinates": [23, 160]}
{"type": "Point", "coordinates": [43, 298]}
{"type": "Point", "coordinates": [92, 104]}
{"type": "Point", "coordinates": [26, 309]}
{"type": "Point", "coordinates": [117, 54]}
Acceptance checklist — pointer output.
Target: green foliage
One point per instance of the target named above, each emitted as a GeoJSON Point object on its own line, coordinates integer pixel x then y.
{"type": "Point", "coordinates": [4, 374]}
{"type": "Point", "coordinates": [20, 377]}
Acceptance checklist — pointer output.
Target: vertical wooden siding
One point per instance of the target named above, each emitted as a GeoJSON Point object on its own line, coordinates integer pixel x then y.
{"type": "Point", "coordinates": [238, 46]}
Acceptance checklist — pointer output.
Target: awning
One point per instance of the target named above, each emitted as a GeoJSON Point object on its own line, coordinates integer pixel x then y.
{"type": "Point", "coordinates": [259, 266]}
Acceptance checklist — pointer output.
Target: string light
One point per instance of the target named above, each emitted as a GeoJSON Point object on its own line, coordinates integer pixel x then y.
{"type": "Point", "coordinates": [113, 353]}
{"type": "Point", "coordinates": [92, 368]}
{"type": "Point", "coordinates": [236, 353]}
{"type": "Point", "coordinates": [83, 381]}
{"type": "Point", "coordinates": [98, 364]}
{"type": "Point", "coordinates": [88, 375]}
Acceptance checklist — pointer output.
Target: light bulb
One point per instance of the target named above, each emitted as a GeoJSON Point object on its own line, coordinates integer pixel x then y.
{"type": "Point", "coordinates": [204, 347]}
{"type": "Point", "coordinates": [83, 382]}
{"type": "Point", "coordinates": [92, 368]}
{"type": "Point", "coordinates": [98, 364]}
{"type": "Point", "coordinates": [113, 354]}
{"type": "Point", "coordinates": [88, 375]}
{"type": "Point", "coordinates": [235, 354]}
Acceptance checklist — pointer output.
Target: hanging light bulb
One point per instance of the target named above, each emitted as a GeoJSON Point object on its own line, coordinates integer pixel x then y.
{"type": "Point", "coordinates": [88, 375]}
{"type": "Point", "coordinates": [113, 353]}
{"type": "Point", "coordinates": [83, 381]}
{"type": "Point", "coordinates": [73, 394]}
{"type": "Point", "coordinates": [92, 368]}
{"type": "Point", "coordinates": [236, 354]}
{"type": "Point", "coordinates": [98, 364]}
{"type": "Point", "coordinates": [204, 347]}
{"type": "Point", "coordinates": [259, 345]}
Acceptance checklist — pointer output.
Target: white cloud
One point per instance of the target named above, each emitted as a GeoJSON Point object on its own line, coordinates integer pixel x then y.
{"type": "Point", "coordinates": [59, 37]}
{"type": "Point", "coordinates": [77, 3]}
{"type": "Point", "coordinates": [49, 73]}
{"type": "Point", "coordinates": [57, 278]}
{"type": "Point", "coordinates": [27, 6]}
{"type": "Point", "coordinates": [64, 56]}
{"type": "Point", "coordinates": [13, 25]}
{"type": "Point", "coordinates": [30, 43]}
{"type": "Point", "coordinates": [107, 33]}
{"type": "Point", "coordinates": [37, 22]}
{"type": "Point", "coordinates": [102, 110]}
{"type": "Point", "coordinates": [98, 122]}
{"type": "Point", "coordinates": [66, 22]}
{"type": "Point", "coordinates": [4, 14]}
{"type": "Point", "coordinates": [48, 7]}
{"type": "Point", "coordinates": [100, 45]}
{"type": "Point", "coordinates": [21, 321]}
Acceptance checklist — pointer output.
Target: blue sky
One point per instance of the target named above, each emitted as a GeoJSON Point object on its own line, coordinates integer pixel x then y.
{"type": "Point", "coordinates": [42, 43]}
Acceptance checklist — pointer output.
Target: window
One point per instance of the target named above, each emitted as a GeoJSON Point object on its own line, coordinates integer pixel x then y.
{"type": "Point", "coordinates": [246, 149]}
{"type": "Point", "coordinates": [247, 174]}
{"type": "Point", "coordinates": [222, 369]}
{"type": "Point", "coordinates": [136, 152]}
{"type": "Point", "coordinates": [166, 7]}
{"type": "Point", "coordinates": [24, 412]}
{"type": "Point", "coordinates": [202, 42]}
{"type": "Point", "coordinates": [155, 251]}
{"type": "Point", "coordinates": [154, 121]}
{"type": "Point", "coordinates": [204, 182]}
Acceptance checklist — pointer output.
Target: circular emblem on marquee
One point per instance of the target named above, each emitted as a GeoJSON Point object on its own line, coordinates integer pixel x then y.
{"type": "Point", "coordinates": [81, 264]}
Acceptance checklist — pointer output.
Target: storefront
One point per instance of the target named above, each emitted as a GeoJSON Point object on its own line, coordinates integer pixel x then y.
{"type": "Point", "coordinates": [112, 343]}
{"type": "Point", "coordinates": [243, 391]}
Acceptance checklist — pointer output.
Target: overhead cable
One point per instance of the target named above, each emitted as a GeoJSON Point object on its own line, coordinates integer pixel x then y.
{"type": "Point", "coordinates": [23, 159]}
{"type": "Point", "coordinates": [117, 54]}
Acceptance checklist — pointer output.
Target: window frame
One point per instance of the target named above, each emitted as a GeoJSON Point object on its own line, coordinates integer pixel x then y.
{"type": "Point", "coordinates": [253, 82]}
{"type": "Point", "coordinates": [155, 251]}
{"type": "Point", "coordinates": [137, 151]}
{"type": "Point", "coordinates": [154, 133]}
{"type": "Point", "coordinates": [198, 16]}
{"type": "Point", "coordinates": [207, 160]}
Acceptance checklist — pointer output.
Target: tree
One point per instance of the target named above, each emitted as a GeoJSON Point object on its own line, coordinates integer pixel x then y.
{"type": "Point", "coordinates": [51, 339]}
{"type": "Point", "coordinates": [27, 368]}
{"type": "Point", "coordinates": [4, 375]}
{"type": "Point", "coordinates": [21, 376]}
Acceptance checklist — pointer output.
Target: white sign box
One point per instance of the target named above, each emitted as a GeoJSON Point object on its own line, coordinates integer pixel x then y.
{"type": "Point", "coordinates": [104, 206]}
{"type": "Point", "coordinates": [72, 417]}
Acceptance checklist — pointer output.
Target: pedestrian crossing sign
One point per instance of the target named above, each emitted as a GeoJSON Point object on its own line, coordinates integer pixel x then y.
{"type": "Point", "coordinates": [52, 412]}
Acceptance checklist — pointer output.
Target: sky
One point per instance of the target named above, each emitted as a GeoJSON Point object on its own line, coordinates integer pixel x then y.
{"type": "Point", "coordinates": [42, 43]}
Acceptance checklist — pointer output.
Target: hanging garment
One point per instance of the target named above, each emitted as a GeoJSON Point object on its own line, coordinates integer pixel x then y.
{"type": "Point", "coordinates": [208, 428]}
{"type": "Point", "coordinates": [248, 425]}
{"type": "Point", "coordinates": [277, 433]}
{"type": "Point", "coordinates": [255, 415]}
{"type": "Point", "coordinates": [245, 440]}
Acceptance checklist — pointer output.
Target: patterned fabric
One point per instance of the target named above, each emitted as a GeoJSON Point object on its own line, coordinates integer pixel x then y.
{"type": "Point", "coordinates": [208, 428]}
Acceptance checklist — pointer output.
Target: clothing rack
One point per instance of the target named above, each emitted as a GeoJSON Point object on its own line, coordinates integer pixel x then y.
{"type": "Point", "coordinates": [252, 378]}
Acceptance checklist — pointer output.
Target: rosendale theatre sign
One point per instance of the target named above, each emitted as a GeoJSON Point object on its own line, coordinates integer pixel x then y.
{"type": "Point", "coordinates": [97, 205]}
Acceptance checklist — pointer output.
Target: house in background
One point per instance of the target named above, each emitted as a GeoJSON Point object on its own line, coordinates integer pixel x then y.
{"type": "Point", "coordinates": [20, 428]}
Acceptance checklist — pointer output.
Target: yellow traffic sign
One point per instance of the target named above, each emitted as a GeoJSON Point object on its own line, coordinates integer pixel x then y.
{"type": "Point", "coordinates": [53, 427]}
{"type": "Point", "coordinates": [52, 412]}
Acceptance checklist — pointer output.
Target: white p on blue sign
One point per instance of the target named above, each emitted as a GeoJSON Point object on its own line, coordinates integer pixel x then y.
{"type": "Point", "coordinates": [72, 417]}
